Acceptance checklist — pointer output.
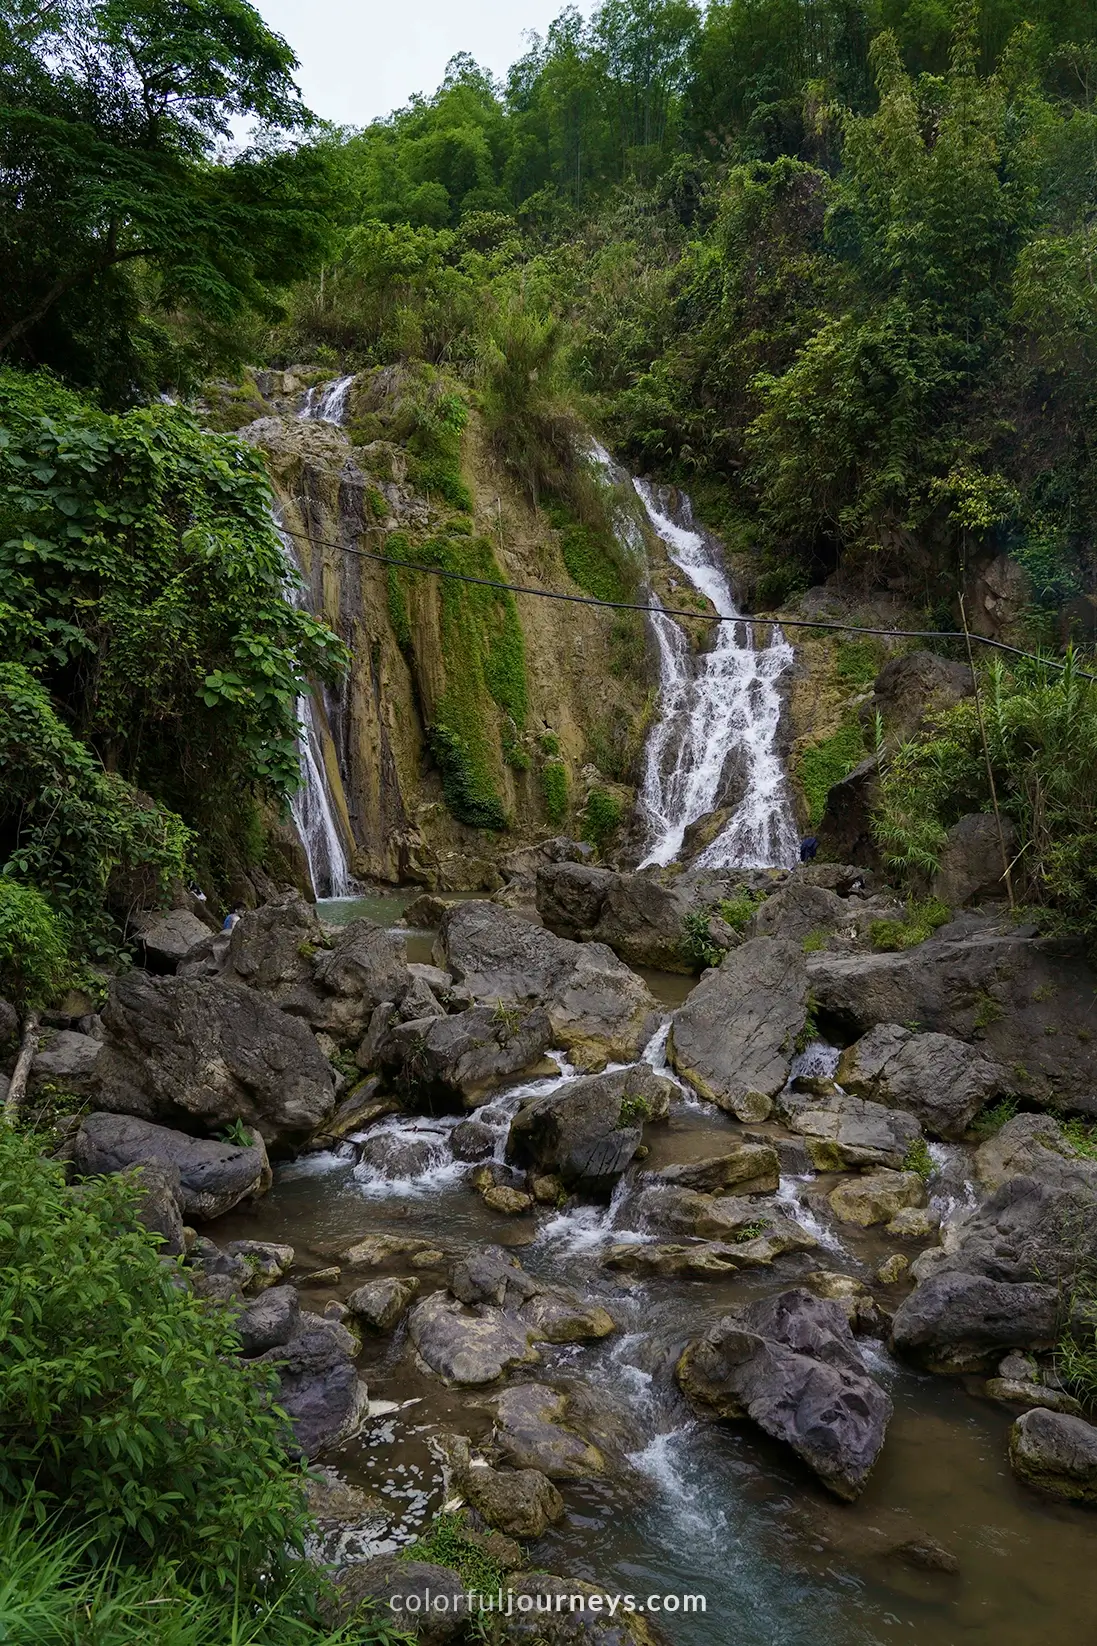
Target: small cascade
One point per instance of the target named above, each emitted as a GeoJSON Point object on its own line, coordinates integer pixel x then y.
{"type": "Point", "coordinates": [327, 402]}
{"type": "Point", "coordinates": [312, 805]}
{"type": "Point", "coordinates": [720, 713]}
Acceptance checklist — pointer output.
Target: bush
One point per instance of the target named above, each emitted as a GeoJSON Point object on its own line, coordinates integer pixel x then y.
{"type": "Point", "coordinates": [601, 817]}
{"type": "Point", "coordinates": [34, 952]}
{"type": "Point", "coordinates": [554, 788]}
{"type": "Point", "coordinates": [123, 1411]}
{"type": "Point", "coordinates": [469, 795]}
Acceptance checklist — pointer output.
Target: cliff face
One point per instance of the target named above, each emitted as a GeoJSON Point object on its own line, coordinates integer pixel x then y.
{"type": "Point", "coordinates": [472, 721]}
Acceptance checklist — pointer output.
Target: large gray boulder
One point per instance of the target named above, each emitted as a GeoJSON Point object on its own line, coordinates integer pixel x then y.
{"type": "Point", "coordinates": [458, 1061]}
{"type": "Point", "coordinates": [320, 1390]}
{"type": "Point", "coordinates": [209, 1177]}
{"type": "Point", "coordinates": [970, 864]}
{"type": "Point", "coordinates": [791, 1364]}
{"type": "Point", "coordinates": [565, 1433]}
{"type": "Point", "coordinates": [640, 916]}
{"type": "Point", "coordinates": [519, 1502]}
{"type": "Point", "coordinates": [67, 1060]}
{"type": "Point", "coordinates": [1055, 1453]}
{"type": "Point", "coordinates": [389, 1582]}
{"type": "Point", "coordinates": [158, 1208]}
{"type": "Point", "coordinates": [958, 1322]}
{"type": "Point", "coordinates": [202, 1053]}
{"type": "Point", "coordinates": [1030, 1003]}
{"type": "Point", "coordinates": [272, 949]}
{"type": "Point", "coordinates": [842, 1132]}
{"type": "Point", "coordinates": [268, 1320]}
{"type": "Point", "coordinates": [466, 1346]}
{"type": "Point", "coordinates": [170, 940]}
{"type": "Point", "coordinates": [600, 1011]}
{"type": "Point", "coordinates": [1020, 1149]}
{"type": "Point", "coordinates": [588, 1131]}
{"type": "Point", "coordinates": [735, 1037]}
{"type": "Point", "coordinates": [366, 966]}
{"type": "Point", "coordinates": [942, 1080]}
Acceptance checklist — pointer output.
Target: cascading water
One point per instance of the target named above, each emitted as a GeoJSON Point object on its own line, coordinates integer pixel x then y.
{"type": "Point", "coordinates": [717, 709]}
{"type": "Point", "coordinates": [312, 805]}
{"type": "Point", "coordinates": [327, 402]}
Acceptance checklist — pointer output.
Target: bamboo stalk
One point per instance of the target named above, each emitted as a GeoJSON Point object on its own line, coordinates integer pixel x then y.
{"type": "Point", "coordinates": [1006, 872]}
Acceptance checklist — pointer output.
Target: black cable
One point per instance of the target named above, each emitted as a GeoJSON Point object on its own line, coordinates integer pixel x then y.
{"type": "Point", "coordinates": [674, 611]}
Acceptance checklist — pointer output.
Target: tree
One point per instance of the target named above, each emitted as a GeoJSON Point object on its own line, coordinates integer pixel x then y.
{"type": "Point", "coordinates": [119, 218]}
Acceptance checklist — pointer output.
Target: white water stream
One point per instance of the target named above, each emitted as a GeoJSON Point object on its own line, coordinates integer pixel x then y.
{"type": "Point", "coordinates": [717, 730]}
{"type": "Point", "coordinates": [327, 402]}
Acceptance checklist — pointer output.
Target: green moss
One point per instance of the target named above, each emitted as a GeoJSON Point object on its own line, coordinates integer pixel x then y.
{"type": "Point", "coordinates": [601, 817]}
{"type": "Point", "coordinates": [857, 662]}
{"type": "Point", "coordinates": [825, 763]}
{"type": "Point", "coordinates": [399, 618]}
{"type": "Point", "coordinates": [554, 789]}
{"type": "Point", "coordinates": [470, 796]}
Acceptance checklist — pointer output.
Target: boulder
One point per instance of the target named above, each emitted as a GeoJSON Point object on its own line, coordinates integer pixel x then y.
{"type": "Point", "coordinates": [546, 1615]}
{"type": "Point", "coordinates": [942, 1080]}
{"type": "Point", "coordinates": [913, 685]}
{"type": "Point", "coordinates": [272, 949]}
{"type": "Point", "coordinates": [382, 1304]}
{"type": "Point", "coordinates": [399, 1154]}
{"type": "Point", "coordinates": [1055, 1453]}
{"type": "Point", "coordinates": [320, 1389]}
{"type": "Point", "coordinates": [473, 1140]}
{"type": "Point", "coordinates": [876, 1198]}
{"type": "Point", "coordinates": [957, 1322]}
{"type": "Point", "coordinates": [267, 1261]}
{"type": "Point", "coordinates": [65, 1059]}
{"type": "Point", "coordinates": [209, 1177]}
{"type": "Point", "coordinates": [698, 1260]}
{"type": "Point", "coordinates": [538, 1427]}
{"type": "Point", "coordinates": [758, 1230]}
{"type": "Point", "coordinates": [425, 913]}
{"type": "Point", "coordinates": [970, 862]}
{"type": "Point", "coordinates": [600, 1011]}
{"type": "Point", "coordinates": [734, 1038]}
{"type": "Point", "coordinates": [447, 1062]}
{"type": "Point", "coordinates": [747, 1168]}
{"type": "Point", "coordinates": [798, 910]}
{"type": "Point", "coordinates": [519, 1502]}
{"type": "Point", "coordinates": [843, 1132]}
{"type": "Point", "coordinates": [642, 916]}
{"type": "Point", "coordinates": [1020, 1392]}
{"type": "Point", "coordinates": [158, 1208]}
{"type": "Point", "coordinates": [1028, 1001]}
{"type": "Point", "coordinates": [169, 940]}
{"type": "Point", "coordinates": [390, 1582]}
{"type": "Point", "coordinates": [269, 1320]}
{"type": "Point", "coordinates": [791, 1364]}
{"type": "Point", "coordinates": [465, 1346]}
{"type": "Point", "coordinates": [200, 1053]}
{"type": "Point", "coordinates": [1020, 1149]}
{"type": "Point", "coordinates": [845, 831]}
{"type": "Point", "coordinates": [586, 1132]}
{"type": "Point", "coordinates": [365, 966]}
{"type": "Point", "coordinates": [570, 897]}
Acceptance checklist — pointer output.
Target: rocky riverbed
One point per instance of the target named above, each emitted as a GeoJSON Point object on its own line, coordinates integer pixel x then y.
{"type": "Point", "coordinates": [748, 1286]}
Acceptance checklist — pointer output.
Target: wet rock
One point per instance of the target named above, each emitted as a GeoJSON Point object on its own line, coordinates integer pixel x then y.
{"type": "Point", "coordinates": [499, 1197]}
{"type": "Point", "coordinates": [697, 1260]}
{"type": "Point", "coordinates": [551, 1621]}
{"type": "Point", "coordinates": [320, 1390]}
{"type": "Point", "coordinates": [374, 1250]}
{"type": "Point", "coordinates": [65, 1059]}
{"type": "Point", "coordinates": [599, 1010]}
{"type": "Point", "coordinates": [748, 1168]}
{"type": "Point", "coordinates": [1020, 1149]}
{"type": "Point", "coordinates": [168, 940]}
{"type": "Point", "coordinates": [737, 1219]}
{"type": "Point", "coordinates": [361, 1106]}
{"type": "Point", "coordinates": [382, 1304]}
{"type": "Point", "coordinates": [893, 1269]}
{"type": "Point", "coordinates": [490, 1274]}
{"type": "Point", "coordinates": [459, 1060]}
{"type": "Point", "coordinates": [734, 1038]}
{"type": "Point", "coordinates": [936, 1077]}
{"type": "Point", "coordinates": [390, 1583]}
{"type": "Point", "coordinates": [1055, 1453]}
{"type": "Point", "coordinates": [334, 1501]}
{"type": "Point", "coordinates": [521, 1502]}
{"type": "Point", "coordinates": [187, 1051]}
{"type": "Point", "coordinates": [957, 1322]}
{"type": "Point", "coordinates": [843, 1132]}
{"type": "Point", "coordinates": [915, 1223]}
{"type": "Point", "coordinates": [925, 1554]}
{"type": "Point", "coordinates": [425, 913]}
{"type": "Point", "coordinates": [791, 1364]}
{"type": "Point", "coordinates": [854, 1297]}
{"type": "Point", "coordinates": [211, 1176]}
{"type": "Point", "coordinates": [970, 863]}
{"type": "Point", "coordinates": [1026, 1394]}
{"type": "Point", "coordinates": [876, 1198]}
{"type": "Point", "coordinates": [465, 1346]}
{"type": "Point", "coordinates": [473, 1140]}
{"type": "Point", "coordinates": [267, 1261]}
{"type": "Point", "coordinates": [397, 1155]}
{"type": "Point", "coordinates": [364, 968]}
{"type": "Point", "coordinates": [587, 1131]}
{"type": "Point", "coordinates": [557, 1315]}
{"type": "Point", "coordinates": [537, 1428]}
{"type": "Point", "coordinates": [271, 1319]}
{"type": "Point", "coordinates": [1028, 1001]}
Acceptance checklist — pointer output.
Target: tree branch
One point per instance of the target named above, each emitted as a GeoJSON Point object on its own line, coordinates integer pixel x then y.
{"type": "Point", "coordinates": [60, 287]}
{"type": "Point", "coordinates": [27, 1049]}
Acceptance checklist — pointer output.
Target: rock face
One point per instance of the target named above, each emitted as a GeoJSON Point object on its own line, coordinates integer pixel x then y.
{"type": "Point", "coordinates": [209, 1177]}
{"type": "Point", "coordinates": [448, 1062]}
{"type": "Point", "coordinates": [971, 860]}
{"type": "Point", "coordinates": [1020, 1149]}
{"type": "Point", "coordinates": [588, 1131]}
{"type": "Point", "coordinates": [791, 1364]}
{"type": "Point", "coordinates": [842, 1132]}
{"type": "Point", "coordinates": [320, 1388]}
{"type": "Point", "coordinates": [916, 684]}
{"type": "Point", "coordinates": [734, 1038]}
{"type": "Point", "coordinates": [1029, 1002]}
{"type": "Point", "coordinates": [957, 1322]}
{"type": "Point", "coordinates": [1055, 1453]}
{"type": "Point", "coordinates": [202, 1054]}
{"type": "Point", "coordinates": [600, 1011]}
{"type": "Point", "coordinates": [942, 1080]}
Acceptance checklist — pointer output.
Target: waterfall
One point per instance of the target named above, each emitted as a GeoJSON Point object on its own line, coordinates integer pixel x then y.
{"type": "Point", "coordinates": [719, 717]}
{"type": "Point", "coordinates": [312, 804]}
{"type": "Point", "coordinates": [327, 402]}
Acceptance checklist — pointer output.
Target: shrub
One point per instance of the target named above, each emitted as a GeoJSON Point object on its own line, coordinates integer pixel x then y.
{"type": "Point", "coordinates": [122, 1408]}
{"type": "Point", "coordinates": [554, 788]}
{"type": "Point", "coordinates": [469, 795]}
{"type": "Point", "coordinates": [601, 817]}
{"type": "Point", "coordinates": [34, 950]}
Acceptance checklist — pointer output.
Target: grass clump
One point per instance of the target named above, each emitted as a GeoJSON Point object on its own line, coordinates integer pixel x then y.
{"type": "Point", "coordinates": [821, 765]}
{"type": "Point", "coordinates": [857, 662]}
{"type": "Point", "coordinates": [994, 1117]}
{"type": "Point", "coordinates": [918, 1159]}
{"type": "Point", "coordinates": [447, 1542]}
{"type": "Point", "coordinates": [554, 791]}
{"type": "Point", "coordinates": [738, 911]}
{"type": "Point", "coordinates": [35, 964]}
{"type": "Point", "coordinates": [921, 920]}
{"type": "Point", "coordinates": [635, 1110]}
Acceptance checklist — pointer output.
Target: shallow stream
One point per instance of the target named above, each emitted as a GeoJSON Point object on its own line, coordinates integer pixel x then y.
{"type": "Point", "coordinates": [716, 1509]}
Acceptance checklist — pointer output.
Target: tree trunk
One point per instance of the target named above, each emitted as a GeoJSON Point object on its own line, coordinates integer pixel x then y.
{"type": "Point", "coordinates": [27, 1049]}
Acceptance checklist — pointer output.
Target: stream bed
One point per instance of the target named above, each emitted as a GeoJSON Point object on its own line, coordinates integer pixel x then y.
{"type": "Point", "coordinates": [713, 1508]}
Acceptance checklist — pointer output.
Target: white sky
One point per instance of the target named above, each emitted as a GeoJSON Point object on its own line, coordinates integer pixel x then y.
{"type": "Point", "coordinates": [363, 58]}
